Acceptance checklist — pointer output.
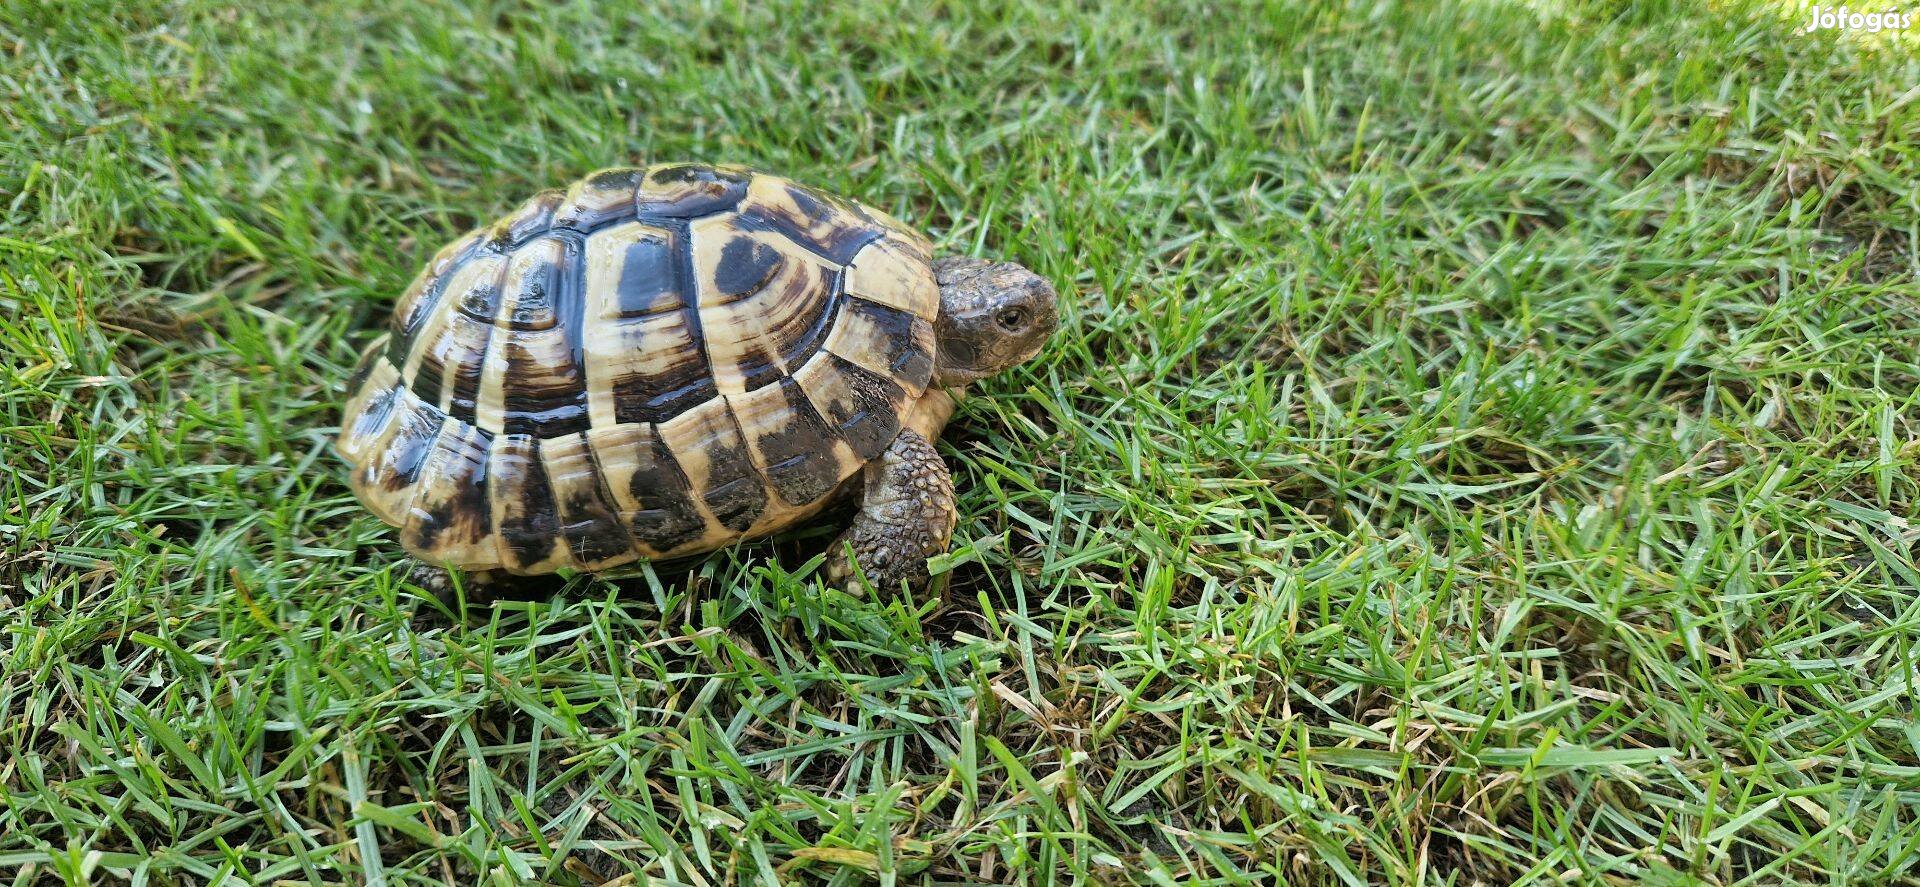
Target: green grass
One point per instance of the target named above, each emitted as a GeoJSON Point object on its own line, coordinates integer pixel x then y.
{"type": "Point", "coordinates": [1481, 447]}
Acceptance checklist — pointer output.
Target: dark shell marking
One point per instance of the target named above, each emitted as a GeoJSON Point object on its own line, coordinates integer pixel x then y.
{"type": "Point", "coordinates": [649, 363]}
{"type": "Point", "coordinates": [398, 465]}
{"type": "Point", "coordinates": [655, 498]}
{"type": "Point", "coordinates": [859, 404]}
{"type": "Point", "coordinates": [541, 378]}
{"type": "Point", "coordinates": [688, 190]}
{"type": "Point", "coordinates": [594, 536]}
{"type": "Point", "coordinates": [800, 452]}
{"type": "Point", "coordinates": [649, 279]}
{"type": "Point", "coordinates": [451, 512]}
{"type": "Point", "coordinates": [523, 509]}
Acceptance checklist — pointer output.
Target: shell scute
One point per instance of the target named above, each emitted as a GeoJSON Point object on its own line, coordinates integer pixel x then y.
{"type": "Point", "coordinates": [524, 517]}
{"type": "Point", "coordinates": [633, 270]}
{"type": "Point", "coordinates": [599, 199]}
{"type": "Point", "coordinates": [422, 297]}
{"type": "Point", "coordinates": [449, 512]}
{"type": "Point", "coordinates": [886, 341]}
{"type": "Point", "coordinates": [801, 456]}
{"type": "Point", "coordinates": [659, 373]}
{"type": "Point", "coordinates": [537, 383]}
{"type": "Point", "coordinates": [594, 536]}
{"type": "Point", "coordinates": [689, 190]}
{"type": "Point", "coordinates": [529, 220]}
{"type": "Point", "coordinates": [449, 343]}
{"type": "Point", "coordinates": [394, 453]}
{"type": "Point", "coordinates": [863, 407]}
{"type": "Point", "coordinates": [821, 223]}
{"type": "Point", "coordinates": [706, 443]}
{"type": "Point", "coordinates": [641, 334]}
{"type": "Point", "coordinates": [653, 495]}
{"type": "Point", "coordinates": [892, 271]}
{"type": "Point", "coordinates": [367, 410]}
{"type": "Point", "coordinates": [759, 322]}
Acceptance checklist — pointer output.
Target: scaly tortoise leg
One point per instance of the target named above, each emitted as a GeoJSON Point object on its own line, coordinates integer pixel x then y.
{"type": "Point", "coordinates": [480, 585]}
{"type": "Point", "coordinates": [906, 516]}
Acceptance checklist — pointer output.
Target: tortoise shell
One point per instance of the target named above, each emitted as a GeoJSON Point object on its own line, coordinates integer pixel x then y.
{"type": "Point", "coordinates": [654, 362]}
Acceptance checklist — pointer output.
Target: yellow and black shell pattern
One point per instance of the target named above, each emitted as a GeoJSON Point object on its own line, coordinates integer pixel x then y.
{"type": "Point", "coordinates": [654, 362]}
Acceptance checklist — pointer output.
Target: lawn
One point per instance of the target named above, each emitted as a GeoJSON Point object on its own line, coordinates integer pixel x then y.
{"type": "Point", "coordinates": [1480, 448]}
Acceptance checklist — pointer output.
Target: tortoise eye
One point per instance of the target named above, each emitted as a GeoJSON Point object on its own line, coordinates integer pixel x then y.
{"type": "Point", "coordinates": [1012, 320]}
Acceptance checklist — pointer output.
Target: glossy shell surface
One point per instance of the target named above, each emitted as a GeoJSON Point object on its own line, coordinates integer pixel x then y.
{"type": "Point", "coordinates": [654, 362]}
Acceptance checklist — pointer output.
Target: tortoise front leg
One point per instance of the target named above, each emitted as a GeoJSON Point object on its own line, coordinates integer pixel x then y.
{"type": "Point", "coordinates": [906, 516]}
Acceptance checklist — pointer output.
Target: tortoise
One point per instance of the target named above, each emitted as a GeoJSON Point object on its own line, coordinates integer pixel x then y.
{"type": "Point", "coordinates": [659, 361]}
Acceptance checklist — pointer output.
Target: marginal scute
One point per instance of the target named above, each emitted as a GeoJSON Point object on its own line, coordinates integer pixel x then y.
{"type": "Point", "coordinates": [395, 451]}
{"type": "Point", "coordinates": [594, 535]}
{"type": "Point", "coordinates": [654, 499]}
{"type": "Point", "coordinates": [707, 445]}
{"type": "Point", "coordinates": [366, 410]}
{"type": "Point", "coordinates": [892, 271]}
{"type": "Point", "coordinates": [373, 354]}
{"type": "Point", "coordinates": [524, 516]}
{"type": "Point", "coordinates": [450, 514]}
{"type": "Point", "coordinates": [885, 341]}
{"type": "Point", "coordinates": [863, 408]}
{"type": "Point", "coordinates": [801, 456]}
{"type": "Point", "coordinates": [406, 451]}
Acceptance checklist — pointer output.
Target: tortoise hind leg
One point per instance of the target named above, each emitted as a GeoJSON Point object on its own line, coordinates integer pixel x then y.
{"type": "Point", "coordinates": [480, 585]}
{"type": "Point", "coordinates": [906, 516]}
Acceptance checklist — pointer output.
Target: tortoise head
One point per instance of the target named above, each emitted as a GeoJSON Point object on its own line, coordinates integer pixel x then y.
{"type": "Point", "coordinates": [993, 315]}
